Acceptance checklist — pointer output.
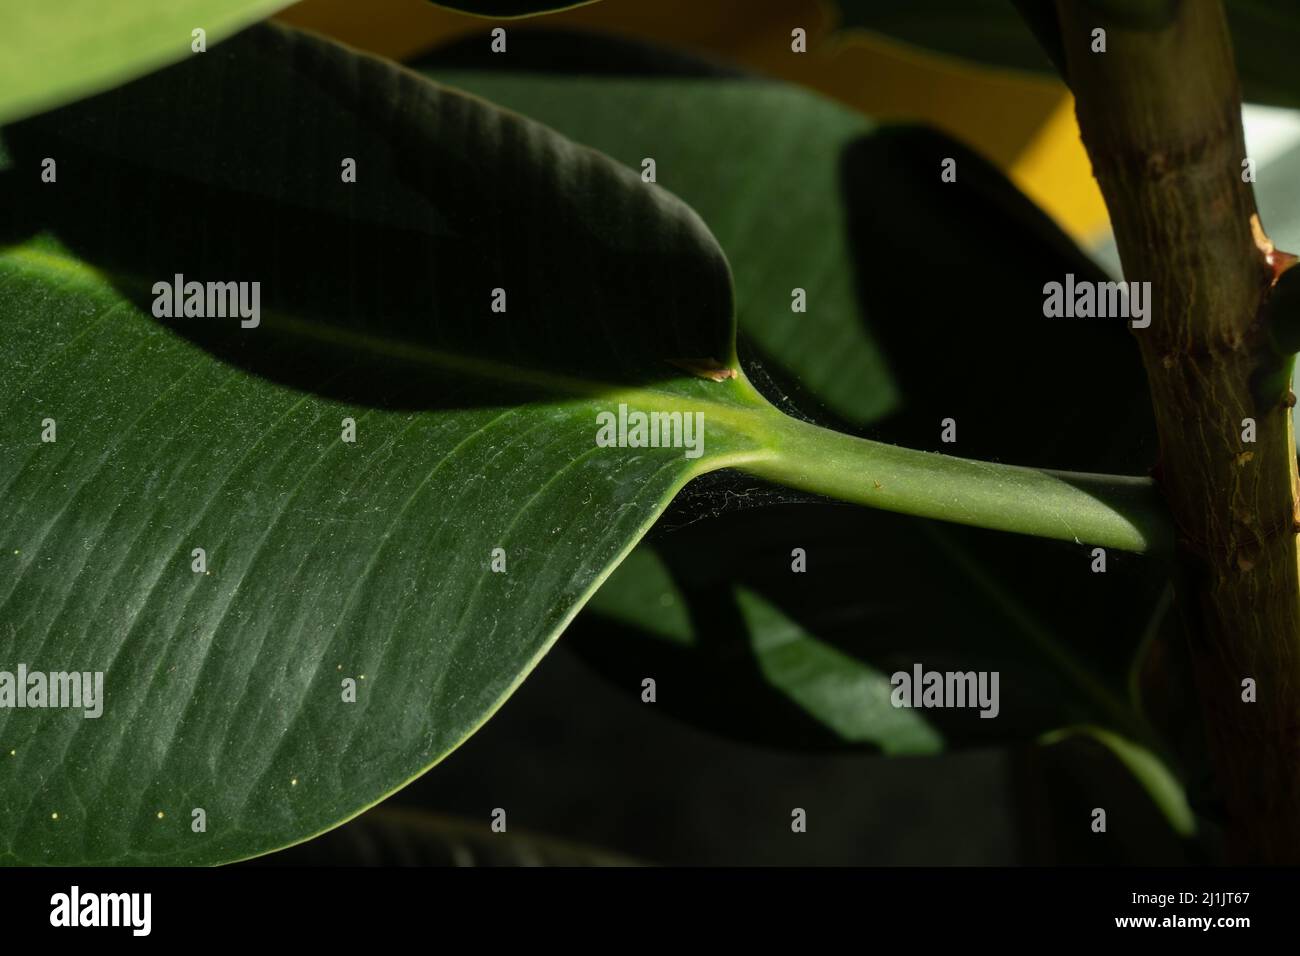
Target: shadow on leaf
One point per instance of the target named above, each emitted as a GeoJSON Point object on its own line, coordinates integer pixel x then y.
{"type": "Point", "coordinates": [229, 167]}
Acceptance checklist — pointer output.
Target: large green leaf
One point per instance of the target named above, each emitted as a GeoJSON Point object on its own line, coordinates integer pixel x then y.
{"type": "Point", "coordinates": [56, 51]}
{"type": "Point", "coordinates": [1266, 34]}
{"type": "Point", "coordinates": [326, 560]}
{"type": "Point", "coordinates": [931, 294]}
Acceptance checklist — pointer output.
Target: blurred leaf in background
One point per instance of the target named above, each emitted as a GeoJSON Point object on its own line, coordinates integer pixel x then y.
{"type": "Point", "coordinates": [805, 659]}
{"type": "Point", "coordinates": [1265, 33]}
{"type": "Point", "coordinates": [1023, 123]}
{"type": "Point", "coordinates": [58, 51]}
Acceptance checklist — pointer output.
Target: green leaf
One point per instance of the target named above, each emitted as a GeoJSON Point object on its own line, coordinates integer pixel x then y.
{"type": "Point", "coordinates": [325, 560]}
{"type": "Point", "coordinates": [760, 163]}
{"type": "Point", "coordinates": [1265, 34]}
{"type": "Point", "coordinates": [807, 657]}
{"type": "Point", "coordinates": [62, 50]}
{"type": "Point", "coordinates": [688, 613]}
{"type": "Point", "coordinates": [1163, 787]}
{"type": "Point", "coordinates": [910, 278]}
{"type": "Point", "coordinates": [510, 8]}
{"type": "Point", "coordinates": [802, 193]}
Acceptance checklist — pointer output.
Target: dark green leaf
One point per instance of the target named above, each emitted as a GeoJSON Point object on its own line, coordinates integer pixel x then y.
{"type": "Point", "coordinates": [762, 165]}
{"type": "Point", "coordinates": [331, 561]}
{"type": "Point", "coordinates": [1266, 34]}
{"type": "Point", "coordinates": [326, 560]}
{"type": "Point", "coordinates": [944, 273]}
{"type": "Point", "coordinates": [987, 31]}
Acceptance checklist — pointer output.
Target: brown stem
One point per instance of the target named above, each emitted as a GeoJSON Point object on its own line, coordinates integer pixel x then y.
{"type": "Point", "coordinates": [1160, 112]}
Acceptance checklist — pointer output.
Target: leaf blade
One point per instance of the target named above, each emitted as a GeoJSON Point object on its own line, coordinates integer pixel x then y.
{"type": "Point", "coordinates": [326, 560]}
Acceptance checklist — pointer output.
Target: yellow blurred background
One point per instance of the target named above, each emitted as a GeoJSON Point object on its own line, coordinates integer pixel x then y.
{"type": "Point", "coordinates": [1023, 123]}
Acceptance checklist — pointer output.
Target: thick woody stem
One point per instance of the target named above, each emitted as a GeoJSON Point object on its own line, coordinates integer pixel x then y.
{"type": "Point", "coordinates": [1160, 111]}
